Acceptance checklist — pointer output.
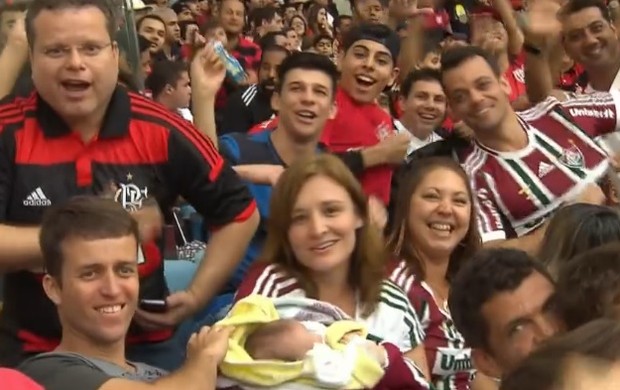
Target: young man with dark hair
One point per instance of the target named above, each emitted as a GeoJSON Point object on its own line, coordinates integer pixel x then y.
{"type": "Point", "coordinates": [370, 11]}
{"type": "Point", "coordinates": [368, 66]}
{"type": "Point", "coordinates": [424, 107]}
{"type": "Point", "coordinates": [503, 303]}
{"type": "Point", "coordinates": [252, 105]}
{"type": "Point", "coordinates": [90, 248]}
{"type": "Point", "coordinates": [171, 48]}
{"type": "Point", "coordinates": [304, 98]}
{"type": "Point", "coordinates": [87, 135]}
{"type": "Point", "coordinates": [9, 14]}
{"type": "Point", "coordinates": [362, 129]}
{"type": "Point", "coordinates": [589, 286]}
{"type": "Point", "coordinates": [169, 85]}
{"type": "Point", "coordinates": [272, 38]}
{"type": "Point", "coordinates": [153, 28]}
{"type": "Point", "coordinates": [323, 44]}
{"type": "Point", "coordinates": [525, 166]}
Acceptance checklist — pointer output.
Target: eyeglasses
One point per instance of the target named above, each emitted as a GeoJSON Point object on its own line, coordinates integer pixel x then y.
{"type": "Point", "coordinates": [86, 50]}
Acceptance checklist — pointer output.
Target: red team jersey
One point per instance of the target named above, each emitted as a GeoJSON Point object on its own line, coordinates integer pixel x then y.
{"type": "Point", "coordinates": [357, 126]}
{"type": "Point", "coordinates": [448, 358]}
{"type": "Point", "coordinates": [517, 191]}
{"type": "Point", "coordinates": [515, 75]}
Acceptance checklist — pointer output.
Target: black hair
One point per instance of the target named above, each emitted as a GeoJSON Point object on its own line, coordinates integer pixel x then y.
{"type": "Point", "coordinates": [488, 273]}
{"type": "Point", "coordinates": [375, 32]}
{"type": "Point", "coordinates": [340, 18]}
{"type": "Point", "coordinates": [589, 285]}
{"type": "Point", "coordinates": [264, 14]}
{"type": "Point", "coordinates": [149, 16]}
{"type": "Point", "coordinates": [574, 6]}
{"type": "Point", "coordinates": [269, 39]}
{"type": "Point", "coordinates": [308, 61]}
{"type": "Point", "coordinates": [164, 73]}
{"type": "Point", "coordinates": [455, 56]}
{"type": "Point", "coordinates": [424, 74]}
{"type": "Point", "coordinates": [109, 11]}
{"type": "Point", "coordinates": [274, 48]}
{"type": "Point", "coordinates": [384, 4]}
{"type": "Point", "coordinates": [180, 6]}
{"type": "Point", "coordinates": [319, 37]}
{"type": "Point", "coordinates": [143, 44]}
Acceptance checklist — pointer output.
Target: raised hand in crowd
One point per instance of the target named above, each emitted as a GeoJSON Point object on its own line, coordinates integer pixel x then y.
{"type": "Point", "coordinates": [207, 71]}
{"type": "Point", "coordinates": [405, 9]}
{"type": "Point", "coordinates": [540, 24]}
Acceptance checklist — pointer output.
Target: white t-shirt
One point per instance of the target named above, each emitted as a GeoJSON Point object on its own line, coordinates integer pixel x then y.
{"type": "Point", "coordinates": [415, 143]}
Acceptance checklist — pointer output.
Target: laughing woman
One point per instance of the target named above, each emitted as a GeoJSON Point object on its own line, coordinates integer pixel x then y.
{"type": "Point", "coordinates": [321, 245]}
{"type": "Point", "coordinates": [435, 232]}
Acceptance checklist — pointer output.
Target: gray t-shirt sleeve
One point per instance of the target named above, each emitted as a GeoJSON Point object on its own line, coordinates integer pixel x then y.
{"type": "Point", "coordinates": [62, 372]}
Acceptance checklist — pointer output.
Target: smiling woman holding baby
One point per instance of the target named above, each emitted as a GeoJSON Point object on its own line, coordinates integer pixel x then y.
{"type": "Point", "coordinates": [321, 245]}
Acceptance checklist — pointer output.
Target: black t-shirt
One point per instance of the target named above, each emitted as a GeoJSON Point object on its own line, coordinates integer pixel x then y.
{"type": "Point", "coordinates": [245, 109]}
{"type": "Point", "coordinates": [65, 370]}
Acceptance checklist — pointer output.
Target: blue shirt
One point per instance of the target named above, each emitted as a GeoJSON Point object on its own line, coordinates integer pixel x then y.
{"type": "Point", "coordinates": [246, 149]}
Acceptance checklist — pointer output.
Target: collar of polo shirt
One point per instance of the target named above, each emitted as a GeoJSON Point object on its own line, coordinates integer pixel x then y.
{"type": "Point", "coordinates": [115, 122]}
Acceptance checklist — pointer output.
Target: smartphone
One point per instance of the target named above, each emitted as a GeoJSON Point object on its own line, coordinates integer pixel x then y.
{"type": "Point", "coordinates": [153, 305]}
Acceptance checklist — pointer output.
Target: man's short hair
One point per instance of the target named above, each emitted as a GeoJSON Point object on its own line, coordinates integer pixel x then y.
{"type": "Point", "coordinates": [269, 39]}
{"type": "Point", "coordinates": [320, 37]}
{"type": "Point", "coordinates": [574, 6]}
{"type": "Point", "coordinates": [149, 16]}
{"type": "Point", "coordinates": [424, 74]}
{"type": "Point", "coordinates": [274, 48]}
{"type": "Point", "coordinates": [455, 56]}
{"type": "Point", "coordinates": [589, 285]}
{"type": "Point", "coordinates": [163, 73]}
{"type": "Point", "coordinates": [308, 61]}
{"type": "Point", "coordinates": [264, 14]}
{"type": "Point", "coordinates": [374, 32]}
{"type": "Point", "coordinates": [110, 12]}
{"type": "Point", "coordinates": [84, 217]}
{"type": "Point", "coordinates": [547, 367]}
{"type": "Point", "coordinates": [340, 18]}
{"type": "Point", "coordinates": [488, 273]}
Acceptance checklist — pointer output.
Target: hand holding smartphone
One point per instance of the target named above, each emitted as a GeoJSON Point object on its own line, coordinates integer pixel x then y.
{"type": "Point", "coordinates": [153, 305]}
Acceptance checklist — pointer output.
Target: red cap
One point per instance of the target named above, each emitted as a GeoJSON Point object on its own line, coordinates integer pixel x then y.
{"type": "Point", "coordinates": [15, 380]}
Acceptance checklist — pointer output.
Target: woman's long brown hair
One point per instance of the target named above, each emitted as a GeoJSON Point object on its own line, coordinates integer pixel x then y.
{"type": "Point", "coordinates": [368, 258]}
{"type": "Point", "coordinates": [400, 244]}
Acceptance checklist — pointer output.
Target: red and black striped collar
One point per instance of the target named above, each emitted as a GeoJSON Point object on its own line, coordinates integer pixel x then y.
{"type": "Point", "coordinates": [115, 122]}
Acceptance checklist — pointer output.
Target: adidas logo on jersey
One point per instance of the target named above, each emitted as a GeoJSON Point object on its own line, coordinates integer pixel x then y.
{"type": "Point", "coordinates": [37, 199]}
{"type": "Point", "coordinates": [544, 168]}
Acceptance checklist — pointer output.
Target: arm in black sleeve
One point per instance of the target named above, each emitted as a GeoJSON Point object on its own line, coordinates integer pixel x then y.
{"type": "Point", "coordinates": [7, 153]}
{"type": "Point", "coordinates": [236, 116]}
{"type": "Point", "coordinates": [200, 174]}
{"type": "Point", "coordinates": [353, 160]}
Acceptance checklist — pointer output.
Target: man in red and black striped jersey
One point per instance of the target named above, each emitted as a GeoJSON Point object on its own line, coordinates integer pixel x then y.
{"type": "Point", "coordinates": [76, 135]}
